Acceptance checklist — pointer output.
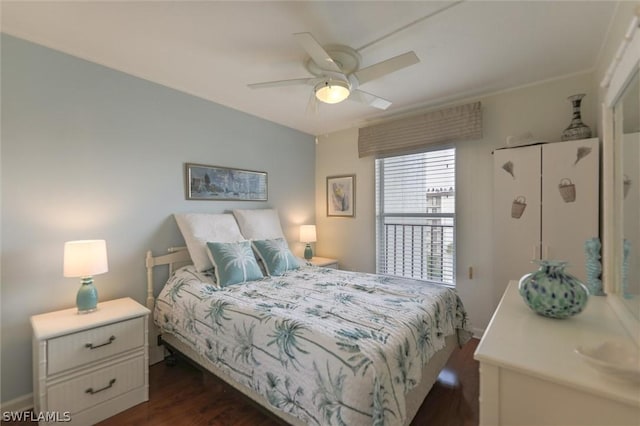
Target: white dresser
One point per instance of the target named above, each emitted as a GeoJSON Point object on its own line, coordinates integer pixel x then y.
{"type": "Point", "coordinates": [90, 367]}
{"type": "Point", "coordinates": [530, 374]}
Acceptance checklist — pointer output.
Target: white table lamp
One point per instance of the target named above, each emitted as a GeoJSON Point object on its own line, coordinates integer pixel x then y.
{"type": "Point", "coordinates": [308, 235]}
{"type": "Point", "coordinates": [85, 259]}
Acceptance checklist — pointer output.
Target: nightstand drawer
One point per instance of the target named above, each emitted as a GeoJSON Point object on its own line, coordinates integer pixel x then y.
{"type": "Point", "coordinates": [94, 388]}
{"type": "Point", "coordinates": [88, 346]}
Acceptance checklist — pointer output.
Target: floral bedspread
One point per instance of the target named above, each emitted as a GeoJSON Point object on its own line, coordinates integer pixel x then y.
{"type": "Point", "coordinates": [327, 346]}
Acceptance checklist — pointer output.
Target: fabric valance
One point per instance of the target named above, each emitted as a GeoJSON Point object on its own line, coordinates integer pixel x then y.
{"type": "Point", "coordinates": [414, 133]}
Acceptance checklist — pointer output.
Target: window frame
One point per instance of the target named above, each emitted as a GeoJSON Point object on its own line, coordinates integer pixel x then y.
{"type": "Point", "coordinates": [380, 215]}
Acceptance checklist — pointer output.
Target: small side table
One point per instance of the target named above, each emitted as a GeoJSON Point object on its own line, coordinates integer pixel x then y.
{"type": "Point", "coordinates": [325, 262]}
{"type": "Point", "coordinates": [89, 367]}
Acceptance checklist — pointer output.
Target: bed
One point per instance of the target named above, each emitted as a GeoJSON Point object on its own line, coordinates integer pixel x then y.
{"type": "Point", "coordinates": [313, 345]}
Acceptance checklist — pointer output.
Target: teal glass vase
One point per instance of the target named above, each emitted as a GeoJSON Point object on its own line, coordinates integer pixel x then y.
{"type": "Point", "coordinates": [552, 292]}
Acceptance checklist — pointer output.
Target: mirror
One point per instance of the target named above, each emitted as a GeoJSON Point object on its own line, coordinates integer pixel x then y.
{"type": "Point", "coordinates": [621, 181]}
{"type": "Point", "coordinates": [628, 135]}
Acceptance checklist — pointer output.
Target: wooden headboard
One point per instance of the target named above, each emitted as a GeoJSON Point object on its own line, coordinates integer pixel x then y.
{"type": "Point", "coordinates": [177, 258]}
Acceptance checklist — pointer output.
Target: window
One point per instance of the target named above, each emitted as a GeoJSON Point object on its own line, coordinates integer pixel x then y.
{"type": "Point", "coordinates": [415, 216]}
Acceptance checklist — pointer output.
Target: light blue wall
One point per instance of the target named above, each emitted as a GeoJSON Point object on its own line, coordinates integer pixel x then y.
{"type": "Point", "coordinates": [89, 152]}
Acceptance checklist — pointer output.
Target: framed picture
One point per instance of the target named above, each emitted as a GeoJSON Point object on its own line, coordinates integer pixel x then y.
{"type": "Point", "coordinates": [204, 182]}
{"type": "Point", "coordinates": [341, 195]}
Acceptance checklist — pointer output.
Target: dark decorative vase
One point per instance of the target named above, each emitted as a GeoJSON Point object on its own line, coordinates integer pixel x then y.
{"type": "Point", "coordinates": [577, 129]}
{"type": "Point", "coordinates": [552, 292]}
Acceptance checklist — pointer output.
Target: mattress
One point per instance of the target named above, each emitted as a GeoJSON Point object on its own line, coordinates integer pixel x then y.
{"type": "Point", "coordinates": [323, 345]}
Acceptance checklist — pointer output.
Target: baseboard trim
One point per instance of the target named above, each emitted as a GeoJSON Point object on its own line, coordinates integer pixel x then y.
{"type": "Point", "coordinates": [478, 332]}
{"type": "Point", "coordinates": [19, 404]}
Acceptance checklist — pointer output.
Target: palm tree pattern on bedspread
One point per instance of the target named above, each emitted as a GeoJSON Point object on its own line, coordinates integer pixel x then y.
{"type": "Point", "coordinates": [326, 346]}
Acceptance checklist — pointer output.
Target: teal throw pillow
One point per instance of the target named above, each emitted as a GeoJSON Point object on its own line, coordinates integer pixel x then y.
{"type": "Point", "coordinates": [276, 256]}
{"type": "Point", "coordinates": [234, 262]}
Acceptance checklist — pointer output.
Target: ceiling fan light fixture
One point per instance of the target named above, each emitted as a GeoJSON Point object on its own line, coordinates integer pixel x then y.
{"type": "Point", "coordinates": [332, 91]}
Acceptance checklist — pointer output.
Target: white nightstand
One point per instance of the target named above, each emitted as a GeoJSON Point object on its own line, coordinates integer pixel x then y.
{"type": "Point", "coordinates": [91, 366]}
{"type": "Point", "coordinates": [324, 262]}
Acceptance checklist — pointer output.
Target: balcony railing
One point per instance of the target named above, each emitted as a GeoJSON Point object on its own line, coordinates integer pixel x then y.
{"type": "Point", "coordinates": [421, 251]}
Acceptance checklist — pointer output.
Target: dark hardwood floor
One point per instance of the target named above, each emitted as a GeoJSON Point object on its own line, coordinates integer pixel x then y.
{"type": "Point", "coordinates": [183, 395]}
{"type": "Point", "coordinates": [453, 399]}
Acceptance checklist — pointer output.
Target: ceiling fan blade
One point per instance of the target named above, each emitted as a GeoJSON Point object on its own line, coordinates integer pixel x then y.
{"type": "Point", "coordinates": [369, 99]}
{"type": "Point", "coordinates": [383, 68]}
{"type": "Point", "coordinates": [317, 52]}
{"type": "Point", "coordinates": [280, 83]}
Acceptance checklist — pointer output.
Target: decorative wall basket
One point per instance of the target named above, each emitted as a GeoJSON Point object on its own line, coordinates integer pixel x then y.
{"type": "Point", "coordinates": [508, 167]}
{"type": "Point", "coordinates": [577, 129]}
{"type": "Point", "coordinates": [567, 190]}
{"type": "Point", "coordinates": [626, 185]}
{"type": "Point", "coordinates": [518, 206]}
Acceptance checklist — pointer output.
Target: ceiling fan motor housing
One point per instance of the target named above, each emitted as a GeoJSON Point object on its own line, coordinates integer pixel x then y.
{"type": "Point", "coordinates": [347, 59]}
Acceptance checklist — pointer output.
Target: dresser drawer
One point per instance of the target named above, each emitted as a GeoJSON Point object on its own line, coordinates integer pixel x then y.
{"type": "Point", "coordinates": [85, 391]}
{"type": "Point", "coordinates": [88, 346]}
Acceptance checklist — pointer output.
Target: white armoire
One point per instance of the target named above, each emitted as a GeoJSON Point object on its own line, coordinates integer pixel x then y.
{"type": "Point", "coordinates": [546, 206]}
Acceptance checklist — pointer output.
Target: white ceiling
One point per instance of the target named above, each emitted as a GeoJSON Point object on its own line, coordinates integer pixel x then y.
{"type": "Point", "coordinates": [214, 49]}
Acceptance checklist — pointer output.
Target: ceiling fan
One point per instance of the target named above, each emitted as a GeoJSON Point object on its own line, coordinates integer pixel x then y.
{"type": "Point", "coordinates": [337, 74]}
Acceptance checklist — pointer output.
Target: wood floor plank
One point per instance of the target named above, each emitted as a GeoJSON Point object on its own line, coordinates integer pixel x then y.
{"type": "Point", "coordinates": [453, 399]}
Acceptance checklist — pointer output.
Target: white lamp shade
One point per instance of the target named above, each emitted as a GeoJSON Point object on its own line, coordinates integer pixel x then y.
{"type": "Point", "coordinates": [332, 92]}
{"type": "Point", "coordinates": [308, 233]}
{"type": "Point", "coordinates": [85, 258]}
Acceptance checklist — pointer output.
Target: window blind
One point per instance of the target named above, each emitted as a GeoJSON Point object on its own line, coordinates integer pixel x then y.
{"type": "Point", "coordinates": [414, 133]}
{"type": "Point", "coordinates": [415, 215]}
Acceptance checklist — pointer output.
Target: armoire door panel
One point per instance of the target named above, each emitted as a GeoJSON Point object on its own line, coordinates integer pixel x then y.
{"type": "Point", "coordinates": [570, 197]}
{"type": "Point", "coordinates": [516, 206]}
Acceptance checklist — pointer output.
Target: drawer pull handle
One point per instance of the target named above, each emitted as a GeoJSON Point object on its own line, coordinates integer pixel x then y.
{"type": "Point", "coordinates": [90, 345]}
{"type": "Point", "coordinates": [93, 392]}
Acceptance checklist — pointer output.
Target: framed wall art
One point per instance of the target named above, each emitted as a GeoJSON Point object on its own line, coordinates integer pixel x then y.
{"type": "Point", "coordinates": [204, 182]}
{"type": "Point", "coordinates": [341, 196]}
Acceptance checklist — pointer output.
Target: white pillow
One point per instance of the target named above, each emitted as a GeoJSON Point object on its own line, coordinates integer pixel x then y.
{"type": "Point", "coordinates": [259, 224]}
{"type": "Point", "coordinates": [200, 228]}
